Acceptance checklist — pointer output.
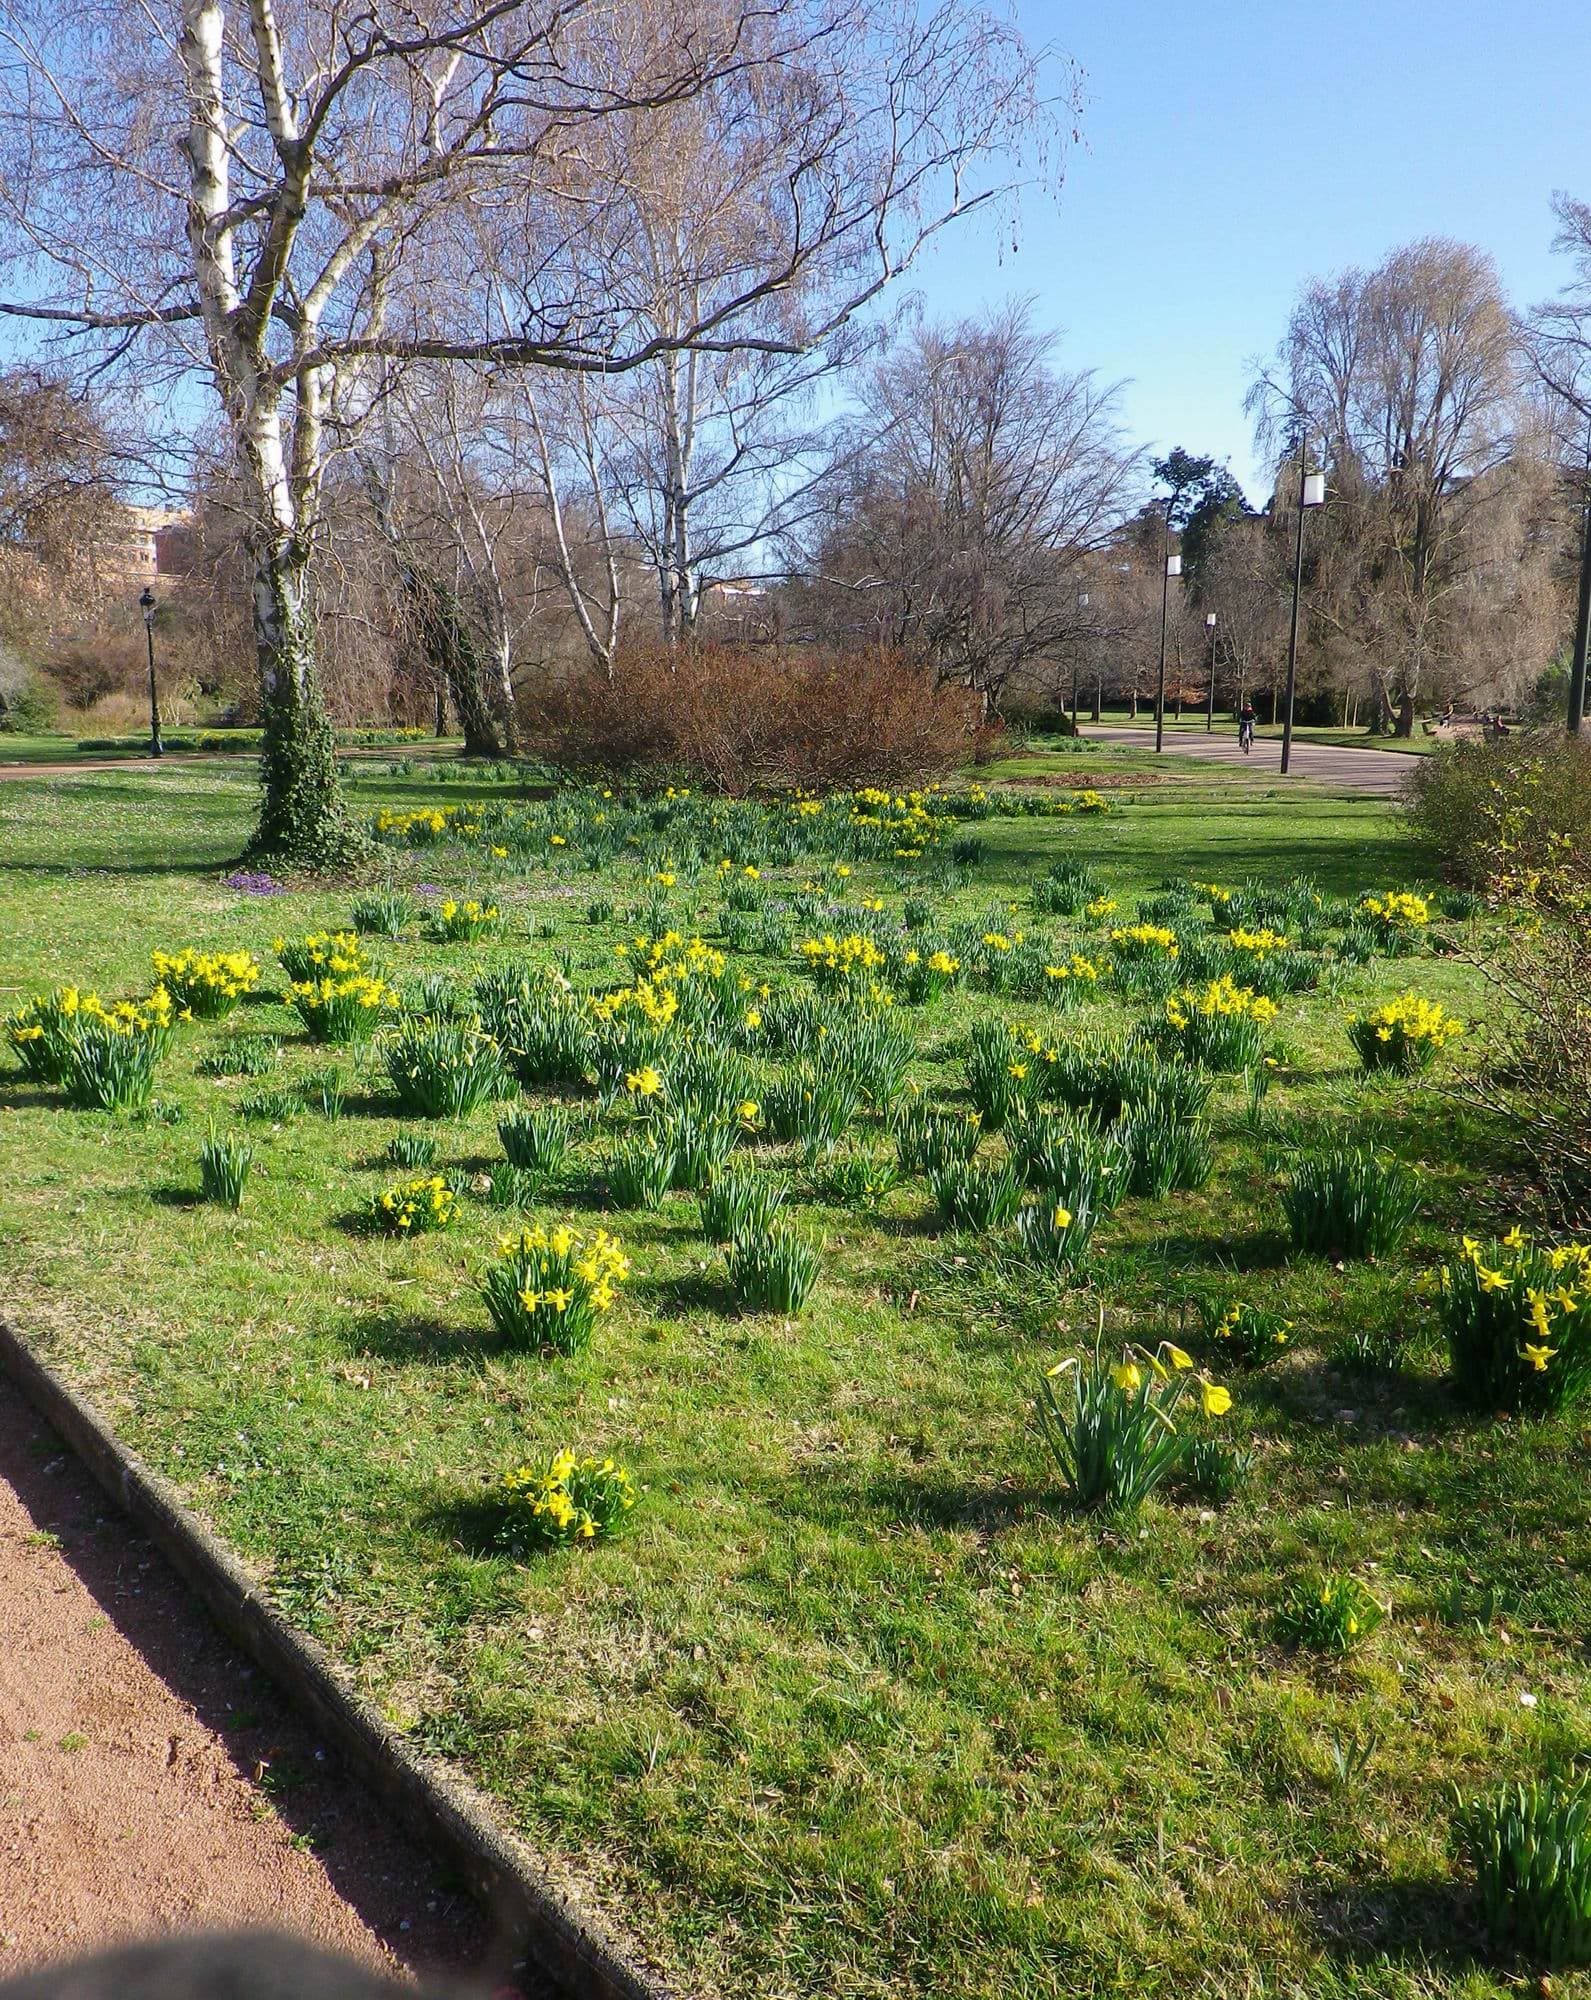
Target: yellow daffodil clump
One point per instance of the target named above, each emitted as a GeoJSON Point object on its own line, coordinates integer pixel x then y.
{"type": "Point", "coordinates": [573, 1500]}
{"type": "Point", "coordinates": [1135, 941]}
{"type": "Point", "coordinates": [547, 1287]}
{"type": "Point", "coordinates": [416, 1206]}
{"type": "Point", "coordinates": [341, 1009]}
{"type": "Point", "coordinates": [1405, 1035]}
{"type": "Point", "coordinates": [209, 984]}
{"type": "Point", "coordinates": [1517, 1314]}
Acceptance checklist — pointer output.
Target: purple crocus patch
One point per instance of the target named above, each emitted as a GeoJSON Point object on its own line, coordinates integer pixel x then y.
{"type": "Point", "coordinates": [254, 882]}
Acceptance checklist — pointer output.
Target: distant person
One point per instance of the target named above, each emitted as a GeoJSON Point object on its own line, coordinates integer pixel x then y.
{"type": "Point", "coordinates": [1245, 727]}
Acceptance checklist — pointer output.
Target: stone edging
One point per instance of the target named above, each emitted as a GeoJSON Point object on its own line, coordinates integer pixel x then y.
{"type": "Point", "coordinates": [447, 1815]}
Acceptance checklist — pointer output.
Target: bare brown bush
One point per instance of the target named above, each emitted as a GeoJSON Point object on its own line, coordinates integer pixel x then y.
{"type": "Point", "coordinates": [736, 718]}
{"type": "Point", "coordinates": [1538, 1077]}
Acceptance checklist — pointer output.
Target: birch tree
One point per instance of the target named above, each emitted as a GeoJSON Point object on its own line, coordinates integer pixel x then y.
{"type": "Point", "coordinates": [277, 199]}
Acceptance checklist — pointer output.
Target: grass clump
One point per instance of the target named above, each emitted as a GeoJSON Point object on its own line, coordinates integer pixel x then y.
{"type": "Point", "coordinates": [412, 1149]}
{"type": "Point", "coordinates": [1345, 1201]}
{"type": "Point", "coordinates": [442, 1069]}
{"type": "Point", "coordinates": [225, 1160]}
{"type": "Point", "coordinates": [772, 1269]}
{"type": "Point", "coordinates": [536, 1141]}
{"type": "Point", "coordinates": [1529, 1847]}
{"type": "Point", "coordinates": [973, 1197]}
{"type": "Point", "coordinates": [384, 913]}
{"type": "Point", "coordinates": [1328, 1614]}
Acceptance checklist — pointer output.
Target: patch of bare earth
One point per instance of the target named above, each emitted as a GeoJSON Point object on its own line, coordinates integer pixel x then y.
{"type": "Point", "coordinates": [150, 1779]}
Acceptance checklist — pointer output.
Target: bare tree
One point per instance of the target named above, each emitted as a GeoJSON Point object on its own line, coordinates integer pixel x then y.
{"type": "Point", "coordinates": [287, 197]}
{"type": "Point", "coordinates": [1409, 375]}
{"type": "Point", "coordinates": [963, 525]}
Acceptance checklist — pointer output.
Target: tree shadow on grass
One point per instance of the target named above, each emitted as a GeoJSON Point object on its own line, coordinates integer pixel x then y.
{"type": "Point", "coordinates": [928, 1500]}
{"type": "Point", "coordinates": [30, 1097]}
{"type": "Point", "coordinates": [1234, 1254]}
{"type": "Point", "coordinates": [699, 1292]}
{"type": "Point", "coordinates": [1428, 1920]}
{"type": "Point", "coordinates": [411, 1340]}
{"type": "Point", "coordinates": [172, 1195]}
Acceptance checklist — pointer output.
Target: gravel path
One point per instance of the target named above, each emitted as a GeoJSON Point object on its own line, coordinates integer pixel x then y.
{"type": "Point", "coordinates": [150, 1778]}
{"type": "Point", "coordinates": [1379, 771]}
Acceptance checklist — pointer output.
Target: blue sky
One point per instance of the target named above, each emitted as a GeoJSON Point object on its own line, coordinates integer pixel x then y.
{"type": "Point", "coordinates": [1228, 153]}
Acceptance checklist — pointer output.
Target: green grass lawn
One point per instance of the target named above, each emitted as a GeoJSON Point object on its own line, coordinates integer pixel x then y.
{"type": "Point", "coordinates": [856, 1707]}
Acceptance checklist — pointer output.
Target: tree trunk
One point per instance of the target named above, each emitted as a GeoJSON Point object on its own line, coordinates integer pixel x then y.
{"type": "Point", "coordinates": [441, 708]}
{"type": "Point", "coordinates": [1404, 723]}
{"type": "Point", "coordinates": [455, 658]}
{"type": "Point", "coordinates": [304, 819]}
{"type": "Point", "coordinates": [507, 708]}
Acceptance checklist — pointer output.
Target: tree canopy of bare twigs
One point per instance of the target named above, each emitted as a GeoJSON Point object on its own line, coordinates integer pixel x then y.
{"type": "Point", "coordinates": [280, 199]}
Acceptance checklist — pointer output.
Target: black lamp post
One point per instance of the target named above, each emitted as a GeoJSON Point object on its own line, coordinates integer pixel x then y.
{"type": "Point", "coordinates": [147, 606]}
{"type": "Point", "coordinates": [1311, 493]}
{"type": "Point", "coordinates": [1082, 607]}
{"type": "Point", "coordinates": [1173, 568]}
{"type": "Point", "coordinates": [1209, 711]}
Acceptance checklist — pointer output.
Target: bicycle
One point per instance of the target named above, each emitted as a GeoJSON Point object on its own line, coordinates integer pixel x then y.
{"type": "Point", "coordinates": [1245, 737]}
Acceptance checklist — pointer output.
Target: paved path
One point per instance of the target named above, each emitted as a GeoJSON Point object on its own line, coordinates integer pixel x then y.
{"type": "Point", "coordinates": [1378, 771]}
{"type": "Point", "coordinates": [150, 1779]}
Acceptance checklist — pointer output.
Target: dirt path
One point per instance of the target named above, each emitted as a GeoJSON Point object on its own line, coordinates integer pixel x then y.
{"type": "Point", "coordinates": [1381, 772]}
{"type": "Point", "coordinates": [150, 1778]}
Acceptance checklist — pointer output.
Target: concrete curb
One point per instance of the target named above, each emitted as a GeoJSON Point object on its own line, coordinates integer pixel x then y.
{"type": "Point", "coordinates": [448, 1816]}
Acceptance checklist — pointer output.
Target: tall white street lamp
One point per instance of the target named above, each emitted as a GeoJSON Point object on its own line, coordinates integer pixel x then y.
{"type": "Point", "coordinates": [1311, 493]}
{"type": "Point", "coordinates": [1209, 712]}
{"type": "Point", "coordinates": [1173, 568]}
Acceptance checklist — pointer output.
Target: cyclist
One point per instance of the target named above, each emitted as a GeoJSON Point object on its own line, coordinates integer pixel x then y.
{"type": "Point", "coordinates": [1245, 727]}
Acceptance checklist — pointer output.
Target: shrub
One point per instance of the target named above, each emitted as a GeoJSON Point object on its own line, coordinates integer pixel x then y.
{"type": "Point", "coordinates": [547, 1288]}
{"type": "Point", "coordinates": [414, 1207]}
{"type": "Point", "coordinates": [1251, 1337]}
{"type": "Point", "coordinates": [442, 1069]}
{"type": "Point", "coordinates": [1345, 1202]}
{"type": "Point", "coordinates": [1405, 1035]}
{"type": "Point", "coordinates": [341, 1009]}
{"type": "Point", "coordinates": [1112, 1426]}
{"type": "Point", "coordinates": [740, 1204]}
{"type": "Point", "coordinates": [224, 1164]}
{"type": "Point", "coordinates": [1332, 1614]}
{"type": "Point", "coordinates": [1512, 807]}
{"type": "Point", "coordinates": [412, 1149]}
{"type": "Point", "coordinates": [1538, 1077]}
{"type": "Point", "coordinates": [465, 923]}
{"type": "Point", "coordinates": [735, 717]}
{"type": "Point", "coordinates": [574, 1500]}
{"type": "Point", "coordinates": [1530, 1847]}
{"type": "Point", "coordinates": [535, 1141]}
{"type": "Point", "coordinates": [1517, 1316]}
{"type": "Point", "coordinates": [772, 1269]}
{"type": "Point", "coordinates": [383, 913]}
{"type": "Point", "coordinates": [973, 1197]}
{"type": "Point", "coordinates": [208, 984]}
{"type": "Point", "coordinates": [641, 1172]}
